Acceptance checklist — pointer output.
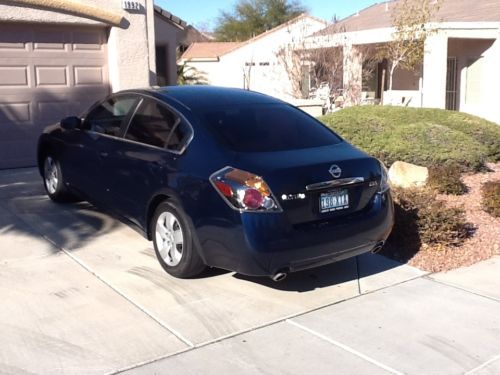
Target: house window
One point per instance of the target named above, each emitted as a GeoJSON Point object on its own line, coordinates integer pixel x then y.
{"type": "Point", "coordinates": [264, 63]}
{"type": "Point", "coordinates": [249, 64]}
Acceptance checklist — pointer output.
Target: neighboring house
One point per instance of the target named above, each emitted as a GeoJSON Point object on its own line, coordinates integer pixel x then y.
{"type": "Point", "coordinates": [253, 64]}
{"type": "Point", "coordinates": [57, 57]}
{"type": "Point", "coordinates": [460, 69]}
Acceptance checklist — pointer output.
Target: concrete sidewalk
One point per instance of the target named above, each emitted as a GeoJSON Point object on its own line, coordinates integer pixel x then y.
{"type": "Point", "coordinates": [422, 326]}
{"type": "Point", "coordinates": [83, 293]}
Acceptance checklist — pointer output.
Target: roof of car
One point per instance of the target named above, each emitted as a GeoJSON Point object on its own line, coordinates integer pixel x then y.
{"type": "Point", "coordinates": [193, 96]}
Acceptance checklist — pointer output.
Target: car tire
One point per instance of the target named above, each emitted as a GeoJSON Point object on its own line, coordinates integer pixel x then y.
{"type": "Point", "coordinates": [53, 180]}
{"type": "Point", "coordinates": [173, 242]}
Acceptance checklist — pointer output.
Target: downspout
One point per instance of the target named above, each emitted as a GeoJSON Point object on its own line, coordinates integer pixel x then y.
{"type": "Point", "coordinates": [150, 34]}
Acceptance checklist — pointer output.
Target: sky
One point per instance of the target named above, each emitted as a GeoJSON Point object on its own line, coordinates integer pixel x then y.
{"type": "Point", "coordinates": [203, 13]}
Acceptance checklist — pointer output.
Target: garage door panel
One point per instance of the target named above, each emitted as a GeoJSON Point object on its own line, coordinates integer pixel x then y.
{"type": "Point", "coordinates": [14, 76]}
{"type": "Point", "coordinates": [7, 46]}
{"type": "Point", "coordinates": [19, 112]}
{"type": "Point", "coordinates": [51, 76]}
{"type": "Point", "coordinates": [50, 40]}
{"type": "Point", "coordinates": [88, 75]}
{"type": "Point", "coordinates": [46, 73]}
{"type": "Point", "coordinates": [87, 41]}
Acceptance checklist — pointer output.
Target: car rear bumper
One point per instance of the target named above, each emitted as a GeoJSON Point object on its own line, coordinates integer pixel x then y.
{"type": "Point", "coordinates": [266, 243]}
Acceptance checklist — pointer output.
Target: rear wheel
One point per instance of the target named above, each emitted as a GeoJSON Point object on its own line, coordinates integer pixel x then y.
{"type": "Point", "coordinates": [53, 180]}
{"type": "Point", "coordinates": [173, 242]}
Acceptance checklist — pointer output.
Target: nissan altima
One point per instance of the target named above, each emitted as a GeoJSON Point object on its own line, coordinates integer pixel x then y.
{"type": "Point", "coordinates": [221, 177]}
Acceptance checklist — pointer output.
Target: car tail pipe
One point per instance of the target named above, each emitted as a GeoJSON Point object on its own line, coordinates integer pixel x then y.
{"type": "Point", "coordinates": [280, 275]}
{"type": "Point", "coordinates": [378, 247]}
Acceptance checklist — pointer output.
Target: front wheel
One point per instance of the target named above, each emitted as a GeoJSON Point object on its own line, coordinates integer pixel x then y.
{"type": "Point", "coordinates": [53, 180]}
{"type": "Point", "coordinates": [173, 242]}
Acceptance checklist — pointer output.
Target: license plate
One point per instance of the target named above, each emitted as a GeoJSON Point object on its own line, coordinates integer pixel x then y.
{"type": "Point", "coordinates": [334, 201]}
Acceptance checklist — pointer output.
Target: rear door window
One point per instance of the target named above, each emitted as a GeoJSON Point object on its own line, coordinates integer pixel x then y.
{"type": "Point", "coordinates": [266, 127]}
{"type": "Point", "coordinates": [156, 125]}
{"type": "Point", "coordinates": [109, 116]}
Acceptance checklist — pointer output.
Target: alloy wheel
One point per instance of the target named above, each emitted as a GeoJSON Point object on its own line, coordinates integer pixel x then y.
{"type": "Point", "coordinates": [169, 238]}
{"type": "Point", "coordinates": [51, 175]}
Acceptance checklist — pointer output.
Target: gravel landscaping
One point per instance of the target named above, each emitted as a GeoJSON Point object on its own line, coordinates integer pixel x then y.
{"type": "Point", "coordinates": [485, 241]}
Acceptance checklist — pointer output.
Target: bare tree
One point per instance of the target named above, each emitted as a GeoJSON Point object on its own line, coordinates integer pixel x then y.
{"type": "Point", "coordinates": [328, 61]}
{"type": "Point", "coordinates": [326, 65]}
{"type": "Point", "coordinates": [290, 58]}
{"type": "Point", "coordinates": [410, 19]}
{"type": "Point", "coordinates": [247, 73]}
{"type": "Point", "coordinates": [322, 65]}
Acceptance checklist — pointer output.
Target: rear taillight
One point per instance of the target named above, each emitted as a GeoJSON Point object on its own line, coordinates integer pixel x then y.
{"type": "Point", "coordinates": [244, 190]}
{"type": "Point", "coordinates": [384, 179]}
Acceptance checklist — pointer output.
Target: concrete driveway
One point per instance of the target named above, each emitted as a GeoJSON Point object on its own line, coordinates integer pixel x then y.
{"type": "Point", "coordinates": [83, 293]}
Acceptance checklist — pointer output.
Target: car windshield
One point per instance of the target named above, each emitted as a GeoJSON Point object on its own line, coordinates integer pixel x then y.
{"type": "Point", "coordinates": [266, 127]}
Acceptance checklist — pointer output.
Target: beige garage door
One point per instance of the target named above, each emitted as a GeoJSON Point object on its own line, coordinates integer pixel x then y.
{"type": "Point", "coordinates": [47, 72]}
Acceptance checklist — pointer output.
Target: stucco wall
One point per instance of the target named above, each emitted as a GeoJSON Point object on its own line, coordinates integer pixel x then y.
{"type": "Point", "coordinates": [20, 13]}
{"type": "Point", "coordinates": [130, 58]}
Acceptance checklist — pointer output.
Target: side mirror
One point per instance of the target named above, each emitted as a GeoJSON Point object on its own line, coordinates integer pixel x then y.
{"type": "Point", "coordinates": [70, 123]}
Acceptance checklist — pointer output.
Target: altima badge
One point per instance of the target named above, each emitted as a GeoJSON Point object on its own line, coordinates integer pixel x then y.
{"type": "Point", "coordinates": [335, 171]}
{"type": "Point", "coordinates": [291, 197]}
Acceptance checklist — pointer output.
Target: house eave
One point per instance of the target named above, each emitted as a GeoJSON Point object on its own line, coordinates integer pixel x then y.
{"type": "Point", "coordinates": [476, 30]}
{"type": "Point", "coordinates": [200, 59]}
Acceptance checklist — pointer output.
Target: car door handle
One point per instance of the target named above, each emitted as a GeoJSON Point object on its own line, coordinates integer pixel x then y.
{"type": "Point", "coordinates": [103, 154]}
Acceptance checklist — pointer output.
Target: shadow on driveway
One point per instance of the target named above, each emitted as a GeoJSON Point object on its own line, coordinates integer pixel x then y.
{"type": "Point", "coordinates": [26, 209]}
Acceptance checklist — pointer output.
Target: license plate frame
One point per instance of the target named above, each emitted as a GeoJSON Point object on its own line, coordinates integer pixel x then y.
{"type": "Point", "coordinates": [334, 200]}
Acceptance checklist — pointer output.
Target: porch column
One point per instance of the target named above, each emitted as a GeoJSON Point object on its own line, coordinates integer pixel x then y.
{"type": "Point", "coordinates": [353, 70]}
{"type": "Point", "coordinates": [494, 76]}
{"type": "Point", "coordinates": [434, 71]}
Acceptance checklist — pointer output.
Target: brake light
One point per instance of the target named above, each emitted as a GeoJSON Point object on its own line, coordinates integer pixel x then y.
{"type": "Point", "coordinates": [243, 190]}
{"type": "Point", "coordinates": [253, 199]}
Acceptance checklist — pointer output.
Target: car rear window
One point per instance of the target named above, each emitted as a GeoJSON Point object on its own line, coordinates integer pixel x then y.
{"type": "Point", "coordinates": [266, 127]}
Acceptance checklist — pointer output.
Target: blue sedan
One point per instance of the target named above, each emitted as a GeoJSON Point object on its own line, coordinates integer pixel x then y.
{"type": "Point", "coordinates": [221, 177]}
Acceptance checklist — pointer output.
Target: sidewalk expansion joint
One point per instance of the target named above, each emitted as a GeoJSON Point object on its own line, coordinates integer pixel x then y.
{"type": "Point", "coordinates": [255, 328]}
{"type": "Point", "coordinates": [123, 295]}
{"type": "Point", "coordinates": [451, 285]}
{"type": "Point", "coordinates": [485, 364]}
{"type": "Point", "coordinates": [344, 347]}
{"type": "Point", "coordinates": [174, 332]}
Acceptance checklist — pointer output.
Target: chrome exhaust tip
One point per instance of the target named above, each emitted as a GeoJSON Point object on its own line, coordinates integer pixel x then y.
{"type": "Point", "coordinates": [377, 247]}
{"type": "Point", "coordinates": [279, 276]}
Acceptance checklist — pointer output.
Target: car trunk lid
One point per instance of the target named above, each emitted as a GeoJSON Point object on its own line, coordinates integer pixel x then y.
{"type": "Point", "coordinates": [316, 184]}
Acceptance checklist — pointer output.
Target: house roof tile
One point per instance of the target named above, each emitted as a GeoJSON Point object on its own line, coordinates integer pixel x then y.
{"type": "Point", "coordinates": [208, 49]}
{"type": "Point", "coordinates": [379, 15]}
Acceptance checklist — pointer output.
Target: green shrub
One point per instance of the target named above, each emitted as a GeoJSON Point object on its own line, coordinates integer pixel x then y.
{"type": "Point", "coordinates": [490, 192]}
{"type": "Point", "coordinates": [425, 137]}
{"type": "Point", "coordinates": [446, 179]}
{"type": "Point", "coordinates": [483, 131]}
{"type": "Point", "coordinates": [421, 219]}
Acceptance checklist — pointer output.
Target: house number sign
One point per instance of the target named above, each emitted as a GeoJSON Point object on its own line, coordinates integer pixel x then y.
{"type": "Point", "coordinates": [131, 5]}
